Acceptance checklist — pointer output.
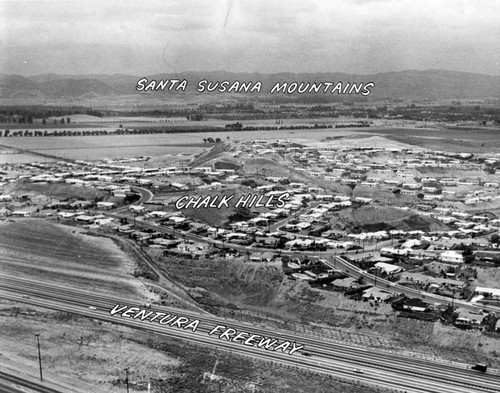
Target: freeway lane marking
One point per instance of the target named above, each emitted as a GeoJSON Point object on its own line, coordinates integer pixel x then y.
{"type": "Point", "coordinates": [220, 331]}
{"type": "Point", "coordinates": [21, 384]}
{"type": "Point", "coordinates": [389, 379]}
{"type": "Point", "coordinates": [22, 285]}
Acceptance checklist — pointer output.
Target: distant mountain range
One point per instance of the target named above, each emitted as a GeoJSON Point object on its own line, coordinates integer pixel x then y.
{"type": "Point", "coordinates": [418, 85]}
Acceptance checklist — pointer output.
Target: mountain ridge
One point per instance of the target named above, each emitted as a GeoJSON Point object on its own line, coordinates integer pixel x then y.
{"type": "Point", "coordinates": [408, 84]}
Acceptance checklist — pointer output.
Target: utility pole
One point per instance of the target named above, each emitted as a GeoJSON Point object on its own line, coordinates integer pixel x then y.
{"type": "Point", "coordinates": [212, 375]}
{"type": "Point", "coordinates": [213, 371]}
{"type": "Point", "coordinates": [39, 355]}
{"type": "Point", "coordinates": [126, 378]}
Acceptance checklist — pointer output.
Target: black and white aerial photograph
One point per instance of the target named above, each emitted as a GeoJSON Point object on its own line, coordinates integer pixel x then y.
{"type": "Point", "coordinates": [250, 196]}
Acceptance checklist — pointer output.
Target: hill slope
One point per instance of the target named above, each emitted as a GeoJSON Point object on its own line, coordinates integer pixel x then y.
{"type": "Point", "coordinates": [427, 85]}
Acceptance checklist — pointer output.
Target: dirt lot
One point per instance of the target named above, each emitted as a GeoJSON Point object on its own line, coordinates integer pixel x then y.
{"type": "Point", "coordinates": [50, 252]}
{"type": "Point", "coordinates": [375, 218]}
{"type": "Point", "coordinates": [59, 191]}
{"type": "Point", "coordinates": [93, 356]}
{"type": "Point", "coordinates": [488, 277]}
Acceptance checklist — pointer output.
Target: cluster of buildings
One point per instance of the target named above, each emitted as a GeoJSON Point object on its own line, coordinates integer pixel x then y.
{"type": "Point", "coordinates": [329, 178]}
{"type": "Point", "coordinates": [400, 170]}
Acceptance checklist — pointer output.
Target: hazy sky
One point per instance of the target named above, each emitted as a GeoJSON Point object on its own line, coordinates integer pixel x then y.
{"type": "Point", "coordinates": [145, 37]}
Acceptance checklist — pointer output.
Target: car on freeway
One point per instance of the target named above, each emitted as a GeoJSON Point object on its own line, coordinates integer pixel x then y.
{"type": "Point", "coordinates": [480, 367]}
{"type": "Point", "coordinates": [26, 297]}
{"type": "Point", "coordinates": [358, 371]}
{"type": "Point", "coordinates": [92, 307]}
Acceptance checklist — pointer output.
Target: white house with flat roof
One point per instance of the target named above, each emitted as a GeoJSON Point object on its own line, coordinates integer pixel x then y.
{"type": "Point", "coordinates": [388, 268]}
{"type": "Point", "coordinates": [106, 205]}
{"type": "Point", "coordinates": [451, 256]}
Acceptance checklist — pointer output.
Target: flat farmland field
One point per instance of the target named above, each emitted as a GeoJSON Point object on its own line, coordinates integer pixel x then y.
{"type": "Point", "coordinates": [189, 143]}
{"type": "Point", "coordinates": [109, 146]}
{"type": "Point", "coordinates": [134, 145]}
{"type": "Point", "coordinates": [49, 252]}
{"type": "Point", "coordinates": [473, 140]}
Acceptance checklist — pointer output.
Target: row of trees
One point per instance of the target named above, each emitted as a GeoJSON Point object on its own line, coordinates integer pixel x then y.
{"type": "Point", "coordinates": [16, 119]}
{"type": "Point", "coordinates": [120, 131]}
{"type": "Point", "coordinates": [26, 114]}
{"type": "Point", "coordinates": [212, 140]}
{"type": "Point", "coordinates": [29, 120]}
{"type": "Point", "coordinates": [62, 121]}
{"type": "Point", "coordinates": [38, 133]}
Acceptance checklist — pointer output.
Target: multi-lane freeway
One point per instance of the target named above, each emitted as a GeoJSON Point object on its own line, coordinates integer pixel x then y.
{"type": "Point", "coordinates": [10, 383]}
{"type": "Point", "coordinates": [368, 366]}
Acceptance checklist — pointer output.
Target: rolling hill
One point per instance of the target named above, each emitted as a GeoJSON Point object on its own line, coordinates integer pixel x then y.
{"type": "Point", "coordinates": [410, 84]}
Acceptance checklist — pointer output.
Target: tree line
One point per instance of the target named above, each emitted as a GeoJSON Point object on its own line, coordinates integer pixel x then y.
{"type": "Point", "coordinates": [26, 115]}
{"type": "Point", "coordinates": [38, 133]}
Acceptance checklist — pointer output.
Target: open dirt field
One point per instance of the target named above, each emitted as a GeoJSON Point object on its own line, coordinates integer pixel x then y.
{"type": "Point", "coordinates": [374, 218]}
{"type": "Point", "coordinates": [487, 277]}
{"type": "Point", "coordinates": [47, 251]}
{"type": "Point", "coordinates": [78, 349]}
{"type": "Point", "coordinates": [59, 191]}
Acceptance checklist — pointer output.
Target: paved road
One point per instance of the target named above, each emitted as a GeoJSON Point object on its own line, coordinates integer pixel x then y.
{"type": "Point", "coordinates": [369, 366]}
{"type": "Point", "coordinates": [146, 195]}
{"type": "Point", "coordinates": [342, 264]}
{"type": "Point", "coordinates": [278, 224]}
{"type": "Point", "coordinates": [11, 383]}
